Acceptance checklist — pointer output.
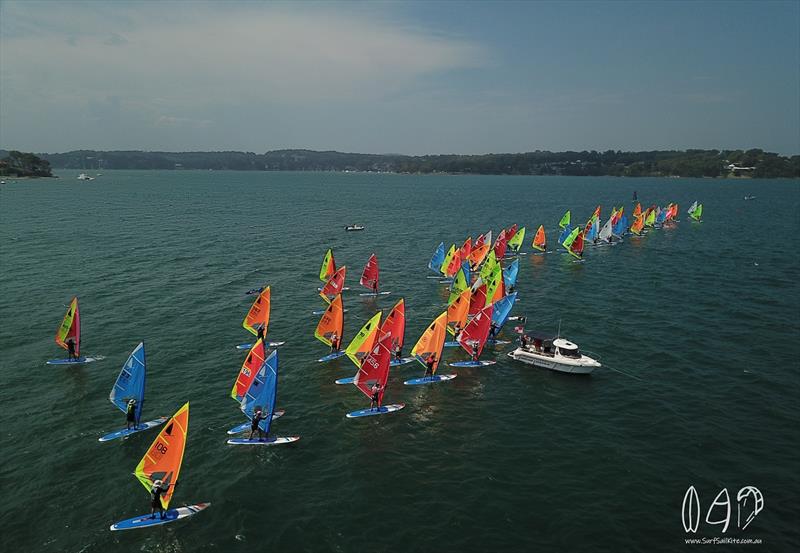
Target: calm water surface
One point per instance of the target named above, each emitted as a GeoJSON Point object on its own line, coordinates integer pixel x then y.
{"type": "Point", "coordinates": [702, 319]}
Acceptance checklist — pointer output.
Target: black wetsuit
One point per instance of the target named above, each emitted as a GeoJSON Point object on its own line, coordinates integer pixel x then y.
{"type": "Point", "coordinates": [260, 334]}
{"type": "Point", "coordinates": [155, 499]}
{"type": "Point", "coordinates": [254, 424]}
{"type": "Point", "coordinates": [130, 415]}
{"type": "Point", "coordinates": [429, 367]}
{"type": "Point", "coordinates": [376, 395]}
{"type": "Point", "coordinates": [71, 349]}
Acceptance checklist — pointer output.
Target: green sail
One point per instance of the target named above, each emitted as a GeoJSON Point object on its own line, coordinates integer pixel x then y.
{"type": "Point", "coordinates": [565, 220]}
{"type": "Point", "coordinates": [651, 218]}
{"type": "Point", "coordinates": [493, 282]}
{"type": "Point", "coordinates": [459, 285]}
{"type": "Point", "coordinates": [364, 340]}
{"type": "Point", "coordinates": [697, 213]}
{"type": "Point", "coordinates": [489, 265]}
{"type": "Point", "coordinates": [516, 241]}
{"type": "Point", "coordinates": [447, 259]}
{"type": "Point", "coordinates": [571, 238]}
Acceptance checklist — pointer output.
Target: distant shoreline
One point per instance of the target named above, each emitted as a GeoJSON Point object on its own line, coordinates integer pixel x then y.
{"type": "Point", "coordinates": [753, 163]}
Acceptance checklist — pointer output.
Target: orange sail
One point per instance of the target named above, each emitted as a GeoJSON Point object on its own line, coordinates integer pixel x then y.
{"type": "Point", "coordinates": [395, 323]}
{"type": "Point", "coordinates": [164, 457]}
{"type": "Point", "coordinates": [637, 210]}
{"type": "Point", "coordinates": [253, 362]}
{"type": "Point", "coordinates": [540, 240]}
{"type": "Point", "coordinates": [258, 316]}
{"type": "Point", "coordinates": [431, 342]}
{"type": "Point", "coordinates": [478, 255]}
{"type": "Point", "coordinates": [332, 322]}
{"type": "Point", "coordinates": [458, 310]}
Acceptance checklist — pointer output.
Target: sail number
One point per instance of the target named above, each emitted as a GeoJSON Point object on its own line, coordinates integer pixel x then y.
{"type": "Point", "coordinates": [161, 448]}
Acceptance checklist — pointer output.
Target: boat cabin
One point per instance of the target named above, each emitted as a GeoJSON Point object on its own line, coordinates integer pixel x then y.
{"type": "Point", "coordinates": [547, 344]}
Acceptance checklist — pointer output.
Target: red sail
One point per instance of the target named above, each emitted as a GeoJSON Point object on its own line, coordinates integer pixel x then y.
{"type": "Point", "coordinates": [511, 232]}
{"type": "Point", "coordinates": [335, 283]}
{"type": "Point", "coordinates": [478, 299]}
{"type": "Point", "coordinates": [500, 245]}
{"type": "Point", "coordinates": [476, 332]}
{"type": "Point", "coordinates": [375, 368]}
{"type": "Point", "coordinates": [480, 241]}
{"type": "Point", "coordinates": [455, 264]}
{"type": "Point", "coordinates": [370, 276]}
{"type": "Point", "coordinates": [395, 324]}
{"type": "Point", "coordinates": [577, 244]}
{"type": "Point", "coordinates": [466, 248]}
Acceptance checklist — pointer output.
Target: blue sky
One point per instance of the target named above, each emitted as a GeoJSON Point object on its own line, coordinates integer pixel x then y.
{"type": "Point", "coordinates": [405, 77]}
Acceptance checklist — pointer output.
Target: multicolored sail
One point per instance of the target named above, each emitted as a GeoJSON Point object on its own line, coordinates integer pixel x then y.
{"type": "Point", "coordinates": [565, 220]}
{"type": "Point", "coordinates": [258, 316]}
{"type": "Point", "coordinates": [332, 322]}
{"type": "Point", "coordinates": [511, 232]}
{"type": "Point", "coordinates": [500, 245]}
{"type": "Point", "coordinates": [371, 274]}
{"type": "Point", "coordinates": [540, 240]}
{"type": "Point", "coordinates": [431, 342]}
{"type": "Point", "coordinates": [453, 265]}
{"type": "Point", "coordinates": [697, 214]}
{"type": "Point", "coordinates": [478, 255]}
{"type": "Point", "coordinates": [495, 288]}
{"type": "Point", "coordinates": [263, 392]}
{"type": "Point", "coordinates": [165, 455]}
{"type": "Point", "coordinates": [515, 242]}
{"type": "Point", "coordinates": [362, 343]}
{"type": "Point", "coordinates": [638, 225]}
{"type": "Point", "coordinates": [460, 283]}
{"type": "Point", "coordinates": [466, 248]}
{"type": "Point", "coordinates": [574, 243]}
{"type": "Point", "coordinates": [448, 257]}
{"type": "Point", "coordinates": [395, 324]}
{"type": "Point", "coordinates": [477, 300]}
{"type": "Point", "coordinates": [692, 208]}
{"type": "Point", "coordinates": [458, 310]}
{"type": "Point", "coordinates": [335, 284]}
{"type": "Point", "coordinates": [565, 234]}
{"type": "Point", "coordinates": [130, 382]}
{"type": "Point", "coordinates": [70, 328]}
{"type": "Point", "coordinates": [328, 266]}
{"type": "Point", "coordinates": [476, 332]}
{"type": "Point", "coordinates": [637, 210]}
{"type": "Point", "coordinates": [650, 217]}
{"type": "Point", "coordinates": [435, 264]}
{"type": "Point", "coordinates": [489, 266]}
{"type": "Point", "coordinates": [254, 359]}
{"type": "Point", "coordinates": [375, 368]}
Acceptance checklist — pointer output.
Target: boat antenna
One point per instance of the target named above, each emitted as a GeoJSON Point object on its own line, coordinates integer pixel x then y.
{"type": "Point", "coordinates": [558, 334]}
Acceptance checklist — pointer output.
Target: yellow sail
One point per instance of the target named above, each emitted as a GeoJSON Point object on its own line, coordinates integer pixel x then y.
{"type": "Point", "coordinates": [364, 340]}
{"type": "Point", "coordinates": [259, 313]}
{"type": "Point", "coordinates": [432, 341]}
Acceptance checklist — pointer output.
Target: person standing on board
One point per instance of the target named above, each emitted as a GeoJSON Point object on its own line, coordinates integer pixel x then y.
{"type": "Point", "coordinates": [376, 397]}
{"type": "Point", "coordinates": [258, 416]}
{"type": "Point", "coordinates": [334, 342]}
{"type": "Point", "coordinates": [375, 287]}
{"type": "Point", "coordinates": [429, 364]}
{"type": "Point", "coordinates": [260, 333]}
{"type": "Point", "coordinates": [71, 350]}
{"type": "Point", "coordinates": [130, 414]}
{"type": "Point", "coordinates": [474, 345]}
{"type": "Point", "coordinates": [398, 351]}
{"type": "Point", "coordinates": [457, 329]}
{"type": "Point", "coordinates": [156, 491]}
{"type": "Point", "coordinates": [492, 331]}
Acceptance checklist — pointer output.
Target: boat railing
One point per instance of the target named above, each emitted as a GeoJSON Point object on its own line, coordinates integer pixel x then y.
{"type": "Point", "coordinates": [593, 355]}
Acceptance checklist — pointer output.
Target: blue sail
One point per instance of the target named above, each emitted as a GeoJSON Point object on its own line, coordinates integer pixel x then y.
{"type": "Point", "coordinates": [510, 274]}
{"type": "Point", "coordinates": [502, 309]}
{"type": "Point", "coordinates": [661, 216]}
{"type": "Point", "coordinates": [263, 391]}
{"type": "Point", "coordinates": [622, 226]}
{"type": "Point", "coordinates": [467, 273]}
{"type": "Point", "coordinates": [130, 382]}
{"type": "Point", "coordinates": [564, 233]}
{"type": "Point", "coordinates": [591, 234]}
{"type": "Point", "coordinates": [436, 261]}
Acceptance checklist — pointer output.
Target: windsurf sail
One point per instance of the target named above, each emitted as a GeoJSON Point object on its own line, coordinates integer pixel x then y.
{"type": "Point", "coordinates": [510, 274]}
{"type": "Point", "coordinates": [335, 284]}
{"type": "Point", "coordinates": [511, 232]}
{"type": "Point", "coordinates": [478, 255]}
{"type": "Point", "coordinates": [447, 258]}
{"type": "Point", "coordinates": [489, 267]}
{"type": "Point", "coordinates": [500, 245]}
{"type": "Point", "coordinates": [371, 274]}
{"type": "Point", "coordinates": [254, 359]}
{"type": "Point", "coordinates": [697, 213]}
{"type": "Point", "coordinates": [375, 368]}
{"type": "Point", "coordinates": [483, 239]}
{"type": "Point", "coordinates": [130, 382]}
{"type": "Point", "coordinates": [650, 218]}
{"type": "Point", "coordinates": [476, 332]}
{"type": "Point", "coordinates": [621, 226]}
{"type": "Point", "coordinates": [565, 234]}
{"type": "Point", "coordinates": [263, 392]}
{"type": "Point", "coordinates": [437, 259]}
{"type": "Point", "coordinates": [502, 309]}
{"type": "Point", "coordinates": [574, 243]}
{"type": "Point", "coordinates": [332, 322]}
{"type": "Point", "coordinates": [395, 324]}
{"type": "Point", "coordinates": [70, 328]}
{"type": "Point", "coordinates": [637, 210]}
{"type": "Point", "coordinates": [477, 300]}
{"type": "Point", "coordinates": [515, 242]}
{"type": "Point", "coordinates": [454, 264]}
{"type": "Point", "coordinates": [495, 288]}
{"type": "Point", "coordinates": [638, 225]}
{"type": "Point", "coordinates": [165, 455]}
{"type": "Point", "coordinates": [431, 342]}
{"type": "Point", "coordinates": [565, 220]}
{"type": "Point", "coordinates": [606, 232]}
{"type": "Point", "coordinates": [460, 283]}
{"type": "Point", "coordinates": [458, 310]}
{"type": "Point", "coordinates": [258, 316]}
{"type": "Point", "coordinates": [328, 266]}
{"type": "Point", "coordinates": [540, 240]}
{"type": "Point", "coordinates": [661, 216]}
{"type": "Point", "coordinates": [362, 343]}
{"type": "Point", "coordinates": [466, 248]}
{"type": "Point", "coordinates": [692, 208]}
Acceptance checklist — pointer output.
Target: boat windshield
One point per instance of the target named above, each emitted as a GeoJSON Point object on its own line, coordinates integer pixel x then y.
{"type": "Point", "coordinates": [574, 353]}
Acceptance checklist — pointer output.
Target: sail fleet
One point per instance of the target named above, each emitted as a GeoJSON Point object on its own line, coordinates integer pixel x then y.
{"type": "Point", "coordinates": [480, 277]}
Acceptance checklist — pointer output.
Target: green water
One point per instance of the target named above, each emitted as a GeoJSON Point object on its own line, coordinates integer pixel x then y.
{"type": "Point", "coordinates": [703, 317]}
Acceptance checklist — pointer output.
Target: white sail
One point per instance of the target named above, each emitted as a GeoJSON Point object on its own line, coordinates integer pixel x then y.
{"type": "Point", "coordinates": [692, 208]}
{"type": "Point", "coordinates": [605, 233]}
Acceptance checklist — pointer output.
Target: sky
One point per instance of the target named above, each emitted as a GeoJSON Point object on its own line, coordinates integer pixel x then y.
{"type": "Point", "coordinates": [399, 77]}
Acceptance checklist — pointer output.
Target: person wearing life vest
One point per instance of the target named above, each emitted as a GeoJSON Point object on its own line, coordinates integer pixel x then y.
{"type": "Point", "coordinates": [156, 491]}
{"type": "Point", "coordinates": [130, 414]}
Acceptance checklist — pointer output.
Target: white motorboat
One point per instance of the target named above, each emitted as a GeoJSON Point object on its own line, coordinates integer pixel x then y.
{"type": "Point", "coordinates": [554, 353]}
{"type": "Point", "coordinates": [351, 228]}
{"type": "Point", "coordinates": [84, 176]}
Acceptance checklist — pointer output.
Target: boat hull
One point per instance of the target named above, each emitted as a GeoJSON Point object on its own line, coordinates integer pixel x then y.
{"type": "Point", "coordinates": [584, 365]}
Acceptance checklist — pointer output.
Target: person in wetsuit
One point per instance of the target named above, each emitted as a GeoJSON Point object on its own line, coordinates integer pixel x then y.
{"type": "Point", "coordinates": [260, 334]}
{"type": "Point", "coordinates": [429, 364]}
{"type": "Point", "coordinates": [156, 491]}
{"type": "Point", "coordinates": [334, 342]}
{"type": "Point", "coordinates": [130, 414]}
{"type": "Point", "coordinates": [398, 352]}
{"type": "Point", "coordinates": [376, 397]}
{"type": "Point", "coordinates": [258, 416]}
{"type": "Point", "coordinates": [71, 350]}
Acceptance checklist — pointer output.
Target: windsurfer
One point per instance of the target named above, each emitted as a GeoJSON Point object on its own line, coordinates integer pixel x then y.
{"type": "Point", "coordinates": [258, 416]}
{"type": "Point", "coordinates": [474, 344]}
{"type": "Point", "coordinates": [375, 287]}
{"type": "Point", "coordinates": [492, 331]}
{"type": "Point", "coordinates": [130, 414]}
{"type": "Point", "coordinates": [457, 329]}
{"type": "Point", "coordinates": [431, 361]}
{"type": "Point", "coordinates": [334, 342]}
{"type": "Point", "coordinates": [260, 333]}
{"type": "Point", "coordinates": [71, 349]}
{"type": "Point", "coordinates": [156, 491]}
{"type": "Point", "coordinates": [376, 397]}
{"type": "Point", "coordinates": [398, 351]}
